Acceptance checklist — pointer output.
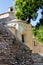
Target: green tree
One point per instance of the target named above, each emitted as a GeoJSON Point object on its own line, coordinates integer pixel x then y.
{"type": "Point", "coordinates": [41, 20]}
{"type": "Point", "coordinates": [38, 30]}
{"type": "Point", "coordinates": [26, 9]}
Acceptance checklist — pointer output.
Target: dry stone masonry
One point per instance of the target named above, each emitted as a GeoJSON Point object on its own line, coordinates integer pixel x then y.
{"type": "Point", "coordinates": [12, 51]}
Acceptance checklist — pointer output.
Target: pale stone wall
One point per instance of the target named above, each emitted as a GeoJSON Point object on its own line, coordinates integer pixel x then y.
{"type": "Point", "coordinates": [28, 35]}
{"type": "Point", "coordinates": [26, 30]}
{"type": "Point", "coordinates": [12, 30]}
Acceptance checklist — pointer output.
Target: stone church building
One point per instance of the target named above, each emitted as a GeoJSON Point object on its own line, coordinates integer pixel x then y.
{"type": "Point", "coordinates": [18, 27]}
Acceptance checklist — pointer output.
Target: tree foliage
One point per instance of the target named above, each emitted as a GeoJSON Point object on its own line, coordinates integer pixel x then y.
{"type": "Point", "coordinates": [38, 30]}
{"type": "Point", "coordinates": [27, 8]}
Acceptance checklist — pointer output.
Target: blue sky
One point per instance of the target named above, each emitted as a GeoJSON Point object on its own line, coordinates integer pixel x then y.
{"type": "Point", "coordinates": [39, 16]}
{"type": "Point", "coordinates": [4, 4]}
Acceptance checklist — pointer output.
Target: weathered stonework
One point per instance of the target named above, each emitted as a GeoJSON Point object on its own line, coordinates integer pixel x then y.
{"type": "Point", "coordinates": [19, 28]}
{"type": "Point", "coordinates": [13, 51]}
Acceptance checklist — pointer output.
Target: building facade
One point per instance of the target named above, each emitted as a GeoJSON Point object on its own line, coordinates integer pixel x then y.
{"type": "Point", "coordinates": [19, 28]}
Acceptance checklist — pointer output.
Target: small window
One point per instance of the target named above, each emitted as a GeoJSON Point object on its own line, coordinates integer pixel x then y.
{"type": "Point", "coordinates": [34, 43]}
{"type": "Point", "coordinates": [22, 38]}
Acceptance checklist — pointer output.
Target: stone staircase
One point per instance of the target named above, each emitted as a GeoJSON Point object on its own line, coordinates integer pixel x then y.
{"type": "Point", "coordinates": [12, 51]}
